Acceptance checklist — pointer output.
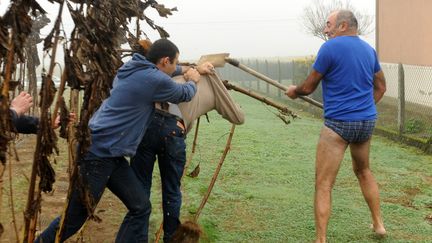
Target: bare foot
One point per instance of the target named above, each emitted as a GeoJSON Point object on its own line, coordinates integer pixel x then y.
{"type": "Point", "coordinates": [379, 230]}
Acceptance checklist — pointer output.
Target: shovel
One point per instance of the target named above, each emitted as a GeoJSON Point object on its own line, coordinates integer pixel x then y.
{"type": "Point", "coordinates": [219, 60]}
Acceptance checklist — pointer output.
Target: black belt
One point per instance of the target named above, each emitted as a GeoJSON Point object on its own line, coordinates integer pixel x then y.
{"type": "Point", "coordinates": [180, 122]}
{"type": "Point", "coordinates": [167, 114]}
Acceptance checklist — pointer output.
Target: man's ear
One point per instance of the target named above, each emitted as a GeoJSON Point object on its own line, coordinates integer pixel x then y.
{"type": "Point", "coordinates": [166, 60]}
{"type": "Point", "coordinates": [343, 26]}
{"type": "Point", "coordinates": [163, 61]}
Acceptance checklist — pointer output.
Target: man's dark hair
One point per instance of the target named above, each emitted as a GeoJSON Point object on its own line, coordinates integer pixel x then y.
{"type": "Point", "coordinates": [160, 49]}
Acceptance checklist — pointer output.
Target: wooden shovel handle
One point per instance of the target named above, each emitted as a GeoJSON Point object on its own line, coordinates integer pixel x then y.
{"type": "Point", "coordinates": [261, 76]}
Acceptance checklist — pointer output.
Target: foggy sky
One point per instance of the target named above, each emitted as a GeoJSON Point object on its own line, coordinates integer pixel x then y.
{"type": "Point", "coordinates": [243, 28]}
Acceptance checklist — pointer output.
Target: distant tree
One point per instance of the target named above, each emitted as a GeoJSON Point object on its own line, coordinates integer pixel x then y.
{"type": "Point", "coordinates": [315, 16]}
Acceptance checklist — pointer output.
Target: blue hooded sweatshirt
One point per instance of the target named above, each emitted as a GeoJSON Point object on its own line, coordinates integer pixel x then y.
{"type": "Point", "coordinates": [119, 124]}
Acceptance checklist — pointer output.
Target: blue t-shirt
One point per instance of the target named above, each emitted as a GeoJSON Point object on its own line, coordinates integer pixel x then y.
{"type": "Point", "coordinates": [348, 65]}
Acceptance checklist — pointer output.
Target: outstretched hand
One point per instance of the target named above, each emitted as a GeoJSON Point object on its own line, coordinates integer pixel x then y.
{"type": "Point", "coordinates": [290, 92]}
{"type": "Point", "coordinates": [22, 103]}
{"type": "Point", "coordinates": [56, 124]}
{"type": "Point", "coordinates": [206, 68]}
{"type": "Point", "coordinates": [192, 74]}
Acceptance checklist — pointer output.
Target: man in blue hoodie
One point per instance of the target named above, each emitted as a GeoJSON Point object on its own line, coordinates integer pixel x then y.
{"type": "Point", "coordinates": [117, 127]}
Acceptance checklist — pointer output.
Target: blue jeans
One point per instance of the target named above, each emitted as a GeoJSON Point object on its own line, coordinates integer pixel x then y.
{"type": "Point", "coordinates": [166, 140]}
{"type": "Point", "coordinates": [117, 175]}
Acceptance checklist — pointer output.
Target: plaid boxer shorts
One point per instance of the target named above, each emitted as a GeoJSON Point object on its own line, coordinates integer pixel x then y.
{"type": "Point", "coordinates": [352, 131]}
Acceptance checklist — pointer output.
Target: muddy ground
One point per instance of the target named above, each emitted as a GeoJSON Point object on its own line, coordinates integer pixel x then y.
{"type": "Point", "coordinates": [110, 209]}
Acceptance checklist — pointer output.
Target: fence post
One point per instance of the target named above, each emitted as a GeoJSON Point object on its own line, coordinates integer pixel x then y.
{"type": "Point", "coordinates": [257, 69]}
{"type": "Point", "coordinates": [293, 72]}
{"type": "Point", "coordinates": [250, 80]}
{"type": "Point", "coordinates": [246, 77]}
{"type": "Point", "coordinates": [279, 77]}
{"type": "Point", "coordinates": [401, 99]}
{"type": "Point", "coordinates": [267, 73]}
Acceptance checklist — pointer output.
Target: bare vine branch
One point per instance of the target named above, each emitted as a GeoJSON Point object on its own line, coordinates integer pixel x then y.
{"type": "Point", "coordinates": [315, 15]}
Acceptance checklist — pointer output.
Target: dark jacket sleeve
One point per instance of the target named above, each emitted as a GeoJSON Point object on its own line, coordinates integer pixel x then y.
{"type": "Point", "coordinates": [25, 124]}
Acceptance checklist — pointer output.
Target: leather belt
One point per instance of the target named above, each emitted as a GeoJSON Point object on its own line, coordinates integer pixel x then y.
{"type": "Point", "coordinates": [172, 110]}
{"type": "Point", "coordinates": [164, 106]}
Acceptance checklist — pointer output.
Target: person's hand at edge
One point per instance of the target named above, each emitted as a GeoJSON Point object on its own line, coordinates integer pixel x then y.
{"type": "Point", "coordinates": [22, 103]}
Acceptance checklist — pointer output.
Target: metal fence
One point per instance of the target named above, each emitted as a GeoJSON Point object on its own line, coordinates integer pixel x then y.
{"type": "Point", "coordinates": [404, 112]}
{"type": "Point", "coordinates": [407, 105]}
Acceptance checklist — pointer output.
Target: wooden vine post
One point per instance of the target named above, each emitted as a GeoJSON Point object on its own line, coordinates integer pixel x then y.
{"type": "Point", "coordinates": [5, 108]}
{"type": "Point", "coordinates": [42, 150]}
{"type": "Point", "coordinates": [215, 174]}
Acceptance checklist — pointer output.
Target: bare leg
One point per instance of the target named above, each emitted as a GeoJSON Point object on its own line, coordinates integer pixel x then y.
{"type": "Point", "coordinates": [330, 152]}
{"type": "Point", "coordinates": [368, 185]}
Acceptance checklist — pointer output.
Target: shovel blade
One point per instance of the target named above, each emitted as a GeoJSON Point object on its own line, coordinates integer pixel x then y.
{"type": "Point", "coordinates": [218, 60]}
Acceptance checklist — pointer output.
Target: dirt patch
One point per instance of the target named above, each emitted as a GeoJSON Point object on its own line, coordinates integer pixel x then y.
{"type": "Point", "coordinates": [428, 219]}
{"type": "Point", "coordinates": [110, 209]}
{"type": "Point", "coordinates": [405, 199]}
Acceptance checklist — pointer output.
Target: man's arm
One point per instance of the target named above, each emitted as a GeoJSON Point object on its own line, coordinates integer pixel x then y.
{"type": "Point", "coordinates": [22, 103]}
{"type": "Point", "coordinates": [204, 68]}
{"type": "Point", "coordinates": [379, 86]}
{"type": "Point", "coordinates": [19, 106]}
{"type": "Point", "coordinates": [307, 87]}
{"type": "Point", "coordinates": [170, 91]}
{"type": "Point", "coordinates": [24, 124]}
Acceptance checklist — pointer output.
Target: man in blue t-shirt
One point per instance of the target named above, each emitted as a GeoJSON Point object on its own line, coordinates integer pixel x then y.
{"type": "Point", "coordinates": [352, 82]}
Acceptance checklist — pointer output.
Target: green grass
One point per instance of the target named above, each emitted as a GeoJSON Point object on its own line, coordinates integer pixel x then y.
{"type": "Point", "coordinates": [264, 192]}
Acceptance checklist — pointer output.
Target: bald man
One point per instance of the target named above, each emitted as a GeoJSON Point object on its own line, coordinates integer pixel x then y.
{"type": "Point", "coordinates": [352, 82]}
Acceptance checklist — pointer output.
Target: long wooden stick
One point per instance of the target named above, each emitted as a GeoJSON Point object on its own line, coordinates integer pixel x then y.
{"type": "Point", "coordinates": [12, 204]}
{"type": "Point", "coordinates": [261, 98]}
{"type": "Point", "coordinates": [159, 233]}
{"type": "Point", "coordinates": [2, 170]}
{"type": "Point", "coordinates": [11, 53]}
{"type": "Point", "coordinates": [59, 95]}
{"type": "Point", "coordinates": [215, 175]}
{"type": "Point", "coordinates": [261, 76]}
{"type": "Point", "coordinates": [73, 169]}
{"type": "Point", "coordinates": [194, 144]}
{"type": "Point", "coordinates": [31, 212]}
{"type": "Point", "coordinates": [5, 94]}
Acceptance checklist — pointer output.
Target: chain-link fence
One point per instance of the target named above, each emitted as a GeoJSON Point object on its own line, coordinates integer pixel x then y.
{"type": "Point", "coordinates": [407, 105]}
{"type": "Point", "coordinates": [405, 110]}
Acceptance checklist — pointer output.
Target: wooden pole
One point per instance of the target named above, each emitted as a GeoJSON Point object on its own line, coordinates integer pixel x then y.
{"type": "Point", "coordinates": [12, 204]}
{"type": "Point", "coordinates": [279, 77]}
{"type": "Point", "coordinates": [401, 99]}
{"type": "Point", "coordinates": [33, 200]}
{"type": "Point", "coordinates": [2, 170]}
{"type": "Point", "coordinates": [270, 81]}
{"type": "Point", "coordinates": [5, 107]}
{"type": "Point", "coordinates": [10, 59]}
{"type": "Point", "coordinates": [59, 95]}
{"type": "Point", "coordinates": [267, 73]}
{"type": "Point", "coordinates": [261, 98]}
{"type": "Point", "coordinates": [215, 174]}
{"type": "Point", "coordinates": [257, 68]}
{"type": "Point", "coordinates": [194, 143]}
